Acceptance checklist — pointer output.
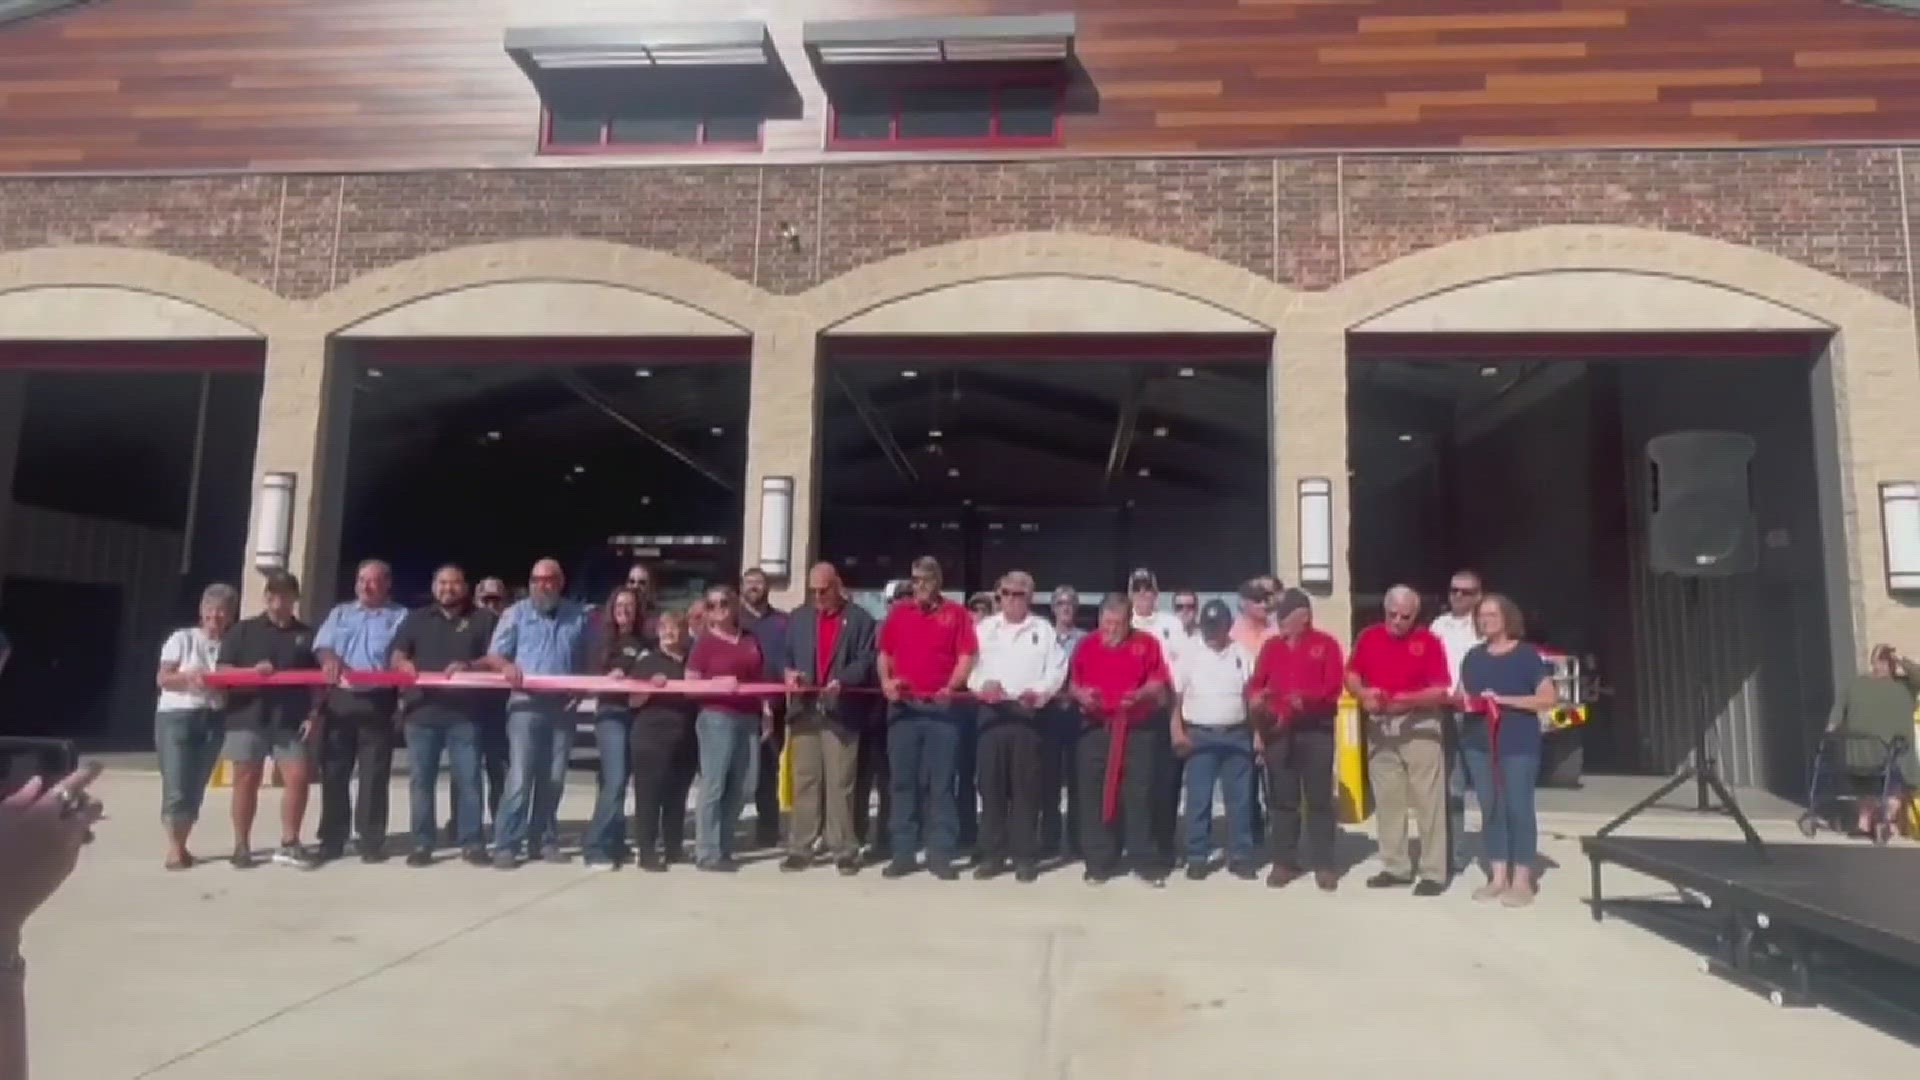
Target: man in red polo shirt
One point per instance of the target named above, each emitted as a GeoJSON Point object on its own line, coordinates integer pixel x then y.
{"type": "Point", "coordinates": [1119, 677]}
{"type": "Point", "coordinates": [1295, 692]}
{"type": "Point", "coordinates": [1399, 672]}
{"type": "Point", "coordinates": [927, 650]}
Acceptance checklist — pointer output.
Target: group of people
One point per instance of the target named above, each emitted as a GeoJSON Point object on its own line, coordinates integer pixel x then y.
{"type": "Point", "coordinates": [1022, 737]}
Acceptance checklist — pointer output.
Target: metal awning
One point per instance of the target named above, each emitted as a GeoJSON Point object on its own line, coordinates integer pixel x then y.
{"type": "Point", "coordinates": [541, 49]}
{"type": "Point", "coordinates": [985, 38]}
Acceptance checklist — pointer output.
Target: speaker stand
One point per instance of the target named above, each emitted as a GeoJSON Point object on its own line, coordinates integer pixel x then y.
{"type": "Point", "coordinates": [1701, 768]}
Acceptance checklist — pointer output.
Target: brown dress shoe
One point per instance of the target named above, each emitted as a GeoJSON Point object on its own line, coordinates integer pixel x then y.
{"type": "Point", "coordinates": [1282, 876]}
{"type": "Point", "coordinates": [1327, 880]}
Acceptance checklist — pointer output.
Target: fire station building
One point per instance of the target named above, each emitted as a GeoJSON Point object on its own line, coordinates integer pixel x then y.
{"type": "Point", "coordinates": [1355, 292]}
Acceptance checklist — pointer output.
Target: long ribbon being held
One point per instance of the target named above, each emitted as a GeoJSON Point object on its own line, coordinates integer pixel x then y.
{"type": "Point", "coordinates": [243, 679]}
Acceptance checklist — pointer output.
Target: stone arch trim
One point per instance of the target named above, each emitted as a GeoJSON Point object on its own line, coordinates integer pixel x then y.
{"type": "Point", "coordinates": [1813, 293]}
{"type": "Point", "coordinates": [1189, 274]}
{"type": "Point", "coordinates": [156, 273]}
{"type": "Point", "coordinates": [596, 262]}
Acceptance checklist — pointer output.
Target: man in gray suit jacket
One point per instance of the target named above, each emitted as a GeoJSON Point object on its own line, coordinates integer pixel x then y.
{"type": "Point", "coordinates": [831, 649]}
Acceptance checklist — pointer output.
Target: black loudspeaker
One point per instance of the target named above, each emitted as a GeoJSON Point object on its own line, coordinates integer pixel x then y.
{"type": "Point", "coordinates": [1701, 522]}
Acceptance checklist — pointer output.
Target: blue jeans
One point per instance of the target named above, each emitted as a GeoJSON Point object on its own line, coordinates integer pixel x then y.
{"type": "Point", "coordinates": [607, 832]}
{"type": "Point", "coordinates": [1509, 831]}
{"type": "Point", "coordinates": [1225, 756]}
{"type": "Point", "coordinates": [546, 816]}
{"type": "Point", "coordinates": [460, 739]}
{"type": "Point", "coordinates": [188, 741]}
{"type": "Point", "coordinates": [531, 723]}
{"type": "Point", "coordinates": [923, 743]}
{"type": "Point", "coordinates": [729, 769]}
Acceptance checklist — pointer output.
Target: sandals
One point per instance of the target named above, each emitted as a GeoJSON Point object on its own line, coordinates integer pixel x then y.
{"type": "Point", "coordinates": [184, 862]}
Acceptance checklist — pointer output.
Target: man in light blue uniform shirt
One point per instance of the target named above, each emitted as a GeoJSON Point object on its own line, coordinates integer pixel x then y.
{"type": "Point", "coordinates": [357, 725]}
{"type": "Point", "coordinates": [545, 634]}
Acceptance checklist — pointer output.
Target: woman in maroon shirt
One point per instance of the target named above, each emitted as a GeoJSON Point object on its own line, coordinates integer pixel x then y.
{"type": "Point", "coordinates": [728, 728]}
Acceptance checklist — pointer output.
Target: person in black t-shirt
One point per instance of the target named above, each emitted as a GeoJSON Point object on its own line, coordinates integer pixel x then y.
{"type": "Point", "coordinates": [448, 636]}
{"type": "Point", "coordinates": [280, 722]}
{"type": "Point", "coordinates": [664, 751]}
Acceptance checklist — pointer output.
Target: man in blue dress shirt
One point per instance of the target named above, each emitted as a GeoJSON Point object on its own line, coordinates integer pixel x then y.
{"type": "Point", "coordinates": [545, 634]}
{"type": "Point", "coordinates": [358, 724]}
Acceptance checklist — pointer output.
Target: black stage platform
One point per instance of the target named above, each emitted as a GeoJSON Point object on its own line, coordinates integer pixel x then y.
{"type": "Point", "coordinates": [1776, 906]}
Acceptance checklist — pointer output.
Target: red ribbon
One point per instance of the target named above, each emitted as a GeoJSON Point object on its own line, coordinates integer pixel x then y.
{"type": "Point", "coordinates": [242, 679]}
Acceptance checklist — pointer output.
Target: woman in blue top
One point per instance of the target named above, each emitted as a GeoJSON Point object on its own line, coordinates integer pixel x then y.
{"type": "Point", "coordinates": [1511, 677]}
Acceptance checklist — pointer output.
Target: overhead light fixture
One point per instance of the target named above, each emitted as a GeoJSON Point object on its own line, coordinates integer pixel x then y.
{"type": "Point", "coordinates": [935, 433]}
{"type": "Point", "coordinates": [579, 469]}
{"type": "Point", "coordinates": [1315, 504]}
{"type": "Point", "coordinates": [375, 373]}
{"type": "Point", "coordinates": [273, 522]}
{"type": "Point", "coordinates": [776, 525]}
{"type": "Point", "coordinates": [493, 436]}
{"type": "Point", "coordinates": [953, 472]}
{"type": "Point", "coordinates": [643, 373]}
{"type": "Point", "coordinates": [1130, 504]}
{"type": "Point", "coordinates": [1185, 373]}
{"type": "Point", "coordinates": [1406, 436]}
{"type": "Point", "coordinates": [1489, 371]}
{"type": "Point", "coordinates": [717, 430]}
{"type": "Point", "coordinates": [1144, 471]}
{"type": "Point", "coordinates": [646, 500]}
{"type": "Point", "coordinates": [1160, 433]}
{"type": "Point", "coordinates": [966, 502]}
{"type": "Point", "coordinates": [909, 374]}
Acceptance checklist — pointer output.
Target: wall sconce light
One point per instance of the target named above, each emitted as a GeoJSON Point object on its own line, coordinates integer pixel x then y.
{"type": "Point", "coordinates": [273, 525]}
{"type": "Point", "coordinates": [790, 235]}
{"type": "Point", "coordinates": [1900, 523]}
{"type": "Point", "coordinates": [776, 525]}
{"type": "Point", "coordinates": [1316, 531]}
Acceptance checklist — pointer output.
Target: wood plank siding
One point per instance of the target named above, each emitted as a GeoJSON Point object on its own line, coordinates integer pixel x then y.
{"type": "Point", "coordinates": [188, 85]}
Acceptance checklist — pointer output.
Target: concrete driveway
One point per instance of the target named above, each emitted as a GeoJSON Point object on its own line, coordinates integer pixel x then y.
{"type": "Point", "coordinates": [371, 972]}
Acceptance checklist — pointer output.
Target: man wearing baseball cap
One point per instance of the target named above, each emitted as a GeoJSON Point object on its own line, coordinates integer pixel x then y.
{"type": "Point", "coordinates": [1295, 689]}
{"type": "Point", "coordinates": [1210, 732]}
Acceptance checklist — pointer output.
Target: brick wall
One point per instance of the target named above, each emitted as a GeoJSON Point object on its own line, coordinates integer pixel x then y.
{"type": "Point", "coordinates": [1301, 220]}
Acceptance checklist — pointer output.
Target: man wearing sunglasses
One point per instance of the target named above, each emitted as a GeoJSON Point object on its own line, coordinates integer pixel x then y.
{"type": "Point", "coordinates": [491, 596]}
{"type": "Point", "coordinates": [1457, 630]}
{"type": "Point", "coordinates": [1021, 668]}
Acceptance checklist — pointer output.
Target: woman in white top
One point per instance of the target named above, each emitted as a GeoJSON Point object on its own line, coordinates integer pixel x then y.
{"type": "Point", "coordinates": [186, 725]}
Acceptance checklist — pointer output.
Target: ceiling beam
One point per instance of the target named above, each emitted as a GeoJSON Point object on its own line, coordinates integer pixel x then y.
{"type": "Point", "coordinates": [877, 428]}
{"type": "Point", "coordinates": [592, 398]}
{"type": "Point", "coordinates": [1124, 426]}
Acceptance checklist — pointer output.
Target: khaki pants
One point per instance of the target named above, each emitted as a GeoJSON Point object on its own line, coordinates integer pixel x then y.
{"type": "Point", "coordinates": [1406, 765]}
{"type": "Point", "coordinates": [826, 757]}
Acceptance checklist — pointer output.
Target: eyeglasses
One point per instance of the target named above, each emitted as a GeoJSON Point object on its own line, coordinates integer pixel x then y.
{"type": "Point", "coordinates": [1466, 591]}
{"type": "Point", "coordinates": [1013, 594]}
{"type": "Point", "coordinates": [1186, 607]}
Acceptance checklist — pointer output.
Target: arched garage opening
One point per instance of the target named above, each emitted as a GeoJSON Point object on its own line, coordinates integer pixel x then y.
{"type": "Point", "coordinates": [1502, 426]}
{"type": "Point", "coordinates": [1071, 426]}
{"type": "Point", "coordinates": [127, 428]}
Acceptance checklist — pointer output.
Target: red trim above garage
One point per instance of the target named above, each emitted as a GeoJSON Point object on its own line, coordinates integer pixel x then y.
{"type": "Point", "coordinates": [1702, 345]}
{"type": "Point", "coordinates": [110, 356]}
{"type": "Point", "coordinates": [558, 352]}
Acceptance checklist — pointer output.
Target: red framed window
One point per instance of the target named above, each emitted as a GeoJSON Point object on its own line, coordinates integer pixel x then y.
{"type": "Point", "coordinates": [948, 116]}
{"type": "Point", "coordinates": [618, 129]}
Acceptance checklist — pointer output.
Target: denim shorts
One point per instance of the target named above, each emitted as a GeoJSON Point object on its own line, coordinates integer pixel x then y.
{"type": "Point", "coordinates": [252, 745]}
